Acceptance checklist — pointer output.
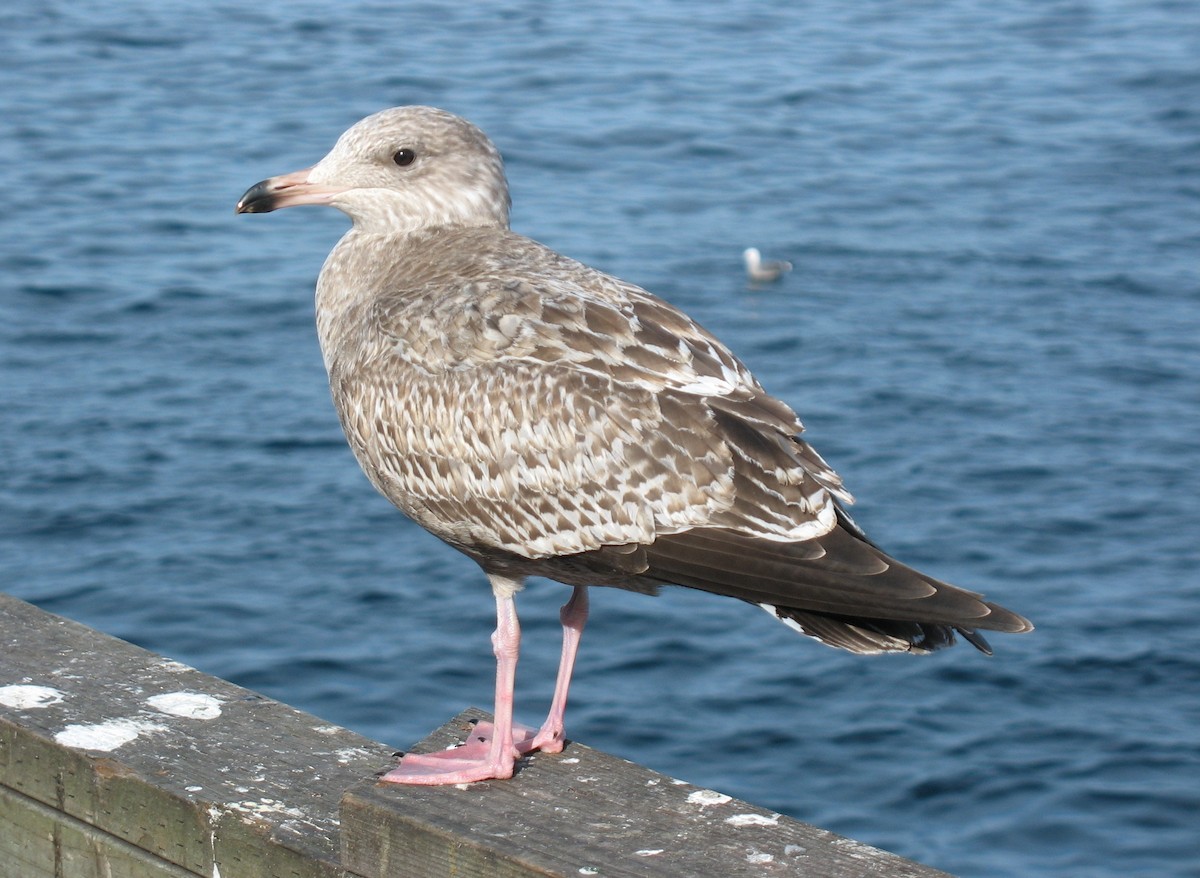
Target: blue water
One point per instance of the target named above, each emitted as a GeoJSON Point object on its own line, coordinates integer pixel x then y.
{"type": "Point", "coordinates": [991, 331]}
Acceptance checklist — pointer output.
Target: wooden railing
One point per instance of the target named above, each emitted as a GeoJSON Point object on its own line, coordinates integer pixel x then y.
{"type": "Point", "coordinates": [118, 762]}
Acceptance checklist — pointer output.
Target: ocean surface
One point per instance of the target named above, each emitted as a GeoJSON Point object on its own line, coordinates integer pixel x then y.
{"type": "Point", "coordinates": [991, 331]}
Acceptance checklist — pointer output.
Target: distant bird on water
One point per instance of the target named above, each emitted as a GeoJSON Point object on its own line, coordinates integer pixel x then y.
{"type": "Point", "coordinates": [547, 419]}
{"type": "Point", "coordinates": [760, 271]}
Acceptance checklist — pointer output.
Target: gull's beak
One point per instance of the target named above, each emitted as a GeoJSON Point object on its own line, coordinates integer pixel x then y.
{"type": "Point", "coordinates": [286, 190]}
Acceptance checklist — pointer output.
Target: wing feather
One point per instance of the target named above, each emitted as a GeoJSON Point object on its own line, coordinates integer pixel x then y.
{"type": "Point", "coordinates": [522, 405]}
{"type": "Point", "coordinates": [576, 411]}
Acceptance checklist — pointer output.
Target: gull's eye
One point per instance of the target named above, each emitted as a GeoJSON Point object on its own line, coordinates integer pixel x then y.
{"type": "Point", "coordinates": [404, 157]}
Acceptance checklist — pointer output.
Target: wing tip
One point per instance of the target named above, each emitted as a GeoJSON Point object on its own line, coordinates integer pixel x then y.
{"type": "Point", "coordinates": [1003, 619]}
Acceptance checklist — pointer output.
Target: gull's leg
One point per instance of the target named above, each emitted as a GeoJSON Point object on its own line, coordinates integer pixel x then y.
{"type": "Point", "coordinates": [489, 752]}
{"type": "Point", "coordinates": [574, 613]}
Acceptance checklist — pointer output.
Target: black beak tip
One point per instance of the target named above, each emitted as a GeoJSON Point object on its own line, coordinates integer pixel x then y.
{"type": "Point", "coordinates": [257, 199]}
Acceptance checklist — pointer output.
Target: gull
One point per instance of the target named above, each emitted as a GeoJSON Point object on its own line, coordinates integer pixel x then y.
{"type": "Point", "coordinates": [760, 271]}
{"type": "Point", "coordinates": [547, 419]}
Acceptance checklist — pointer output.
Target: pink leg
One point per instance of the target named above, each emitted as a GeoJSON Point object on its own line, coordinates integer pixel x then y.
{"type": "Point", "coordinates": [574, 613]}
{"type": "Point", "coordinates": [489, 752]}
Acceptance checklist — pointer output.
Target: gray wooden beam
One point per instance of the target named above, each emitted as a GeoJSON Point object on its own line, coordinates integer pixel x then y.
{"type": "Point", "coordinates": [253, 790]}
{"type": "Point", "coordinates": [115, 761]}
{"type": "Point", "coordinates": [584, 812]}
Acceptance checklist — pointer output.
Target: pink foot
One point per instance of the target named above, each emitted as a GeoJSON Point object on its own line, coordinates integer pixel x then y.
{"type": "Point", "coordinates": [525, 739]}
{"type": "Point", "coordinates": [484, 755]}
{"type": "Point", "coordinates": [547, 740]}
{"type": "Point", "coordinates": [469, 762]}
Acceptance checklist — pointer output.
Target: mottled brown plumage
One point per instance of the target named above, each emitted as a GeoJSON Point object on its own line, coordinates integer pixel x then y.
{"type": "Point", "coordinates": [548, 419]}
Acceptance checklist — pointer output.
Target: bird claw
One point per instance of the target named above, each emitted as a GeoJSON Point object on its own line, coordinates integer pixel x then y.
{"type": "Point", "coordinates": [471, 760]}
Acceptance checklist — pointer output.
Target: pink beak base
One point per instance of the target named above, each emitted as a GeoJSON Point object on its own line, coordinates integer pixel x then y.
{"type": "Point", "coordinates": [286, 190]}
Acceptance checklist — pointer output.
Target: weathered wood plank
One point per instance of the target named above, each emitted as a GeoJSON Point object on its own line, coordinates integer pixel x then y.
{"type": "Point", "coordinates": [117, 762]}
{"type": "Point", "coordinates": [253, 788]}
{"type": "Point", "coordinates": [37, 841]}
{"type": "Point", "coordinates": [584, 812]}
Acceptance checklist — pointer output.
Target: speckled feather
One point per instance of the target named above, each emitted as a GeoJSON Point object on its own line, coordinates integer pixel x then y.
{"type": "Point", "coordinates": [549, 419]}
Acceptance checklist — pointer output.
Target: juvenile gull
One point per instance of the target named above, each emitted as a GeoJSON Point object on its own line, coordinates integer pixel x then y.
{"type": "Point", "coordinates": [547, 419]}
{"type": "Point", "coordinates": [757, 270]}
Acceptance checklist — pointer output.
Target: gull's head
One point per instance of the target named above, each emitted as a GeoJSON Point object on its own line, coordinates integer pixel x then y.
{"type": "Point", "coordinates": [402, 169]}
